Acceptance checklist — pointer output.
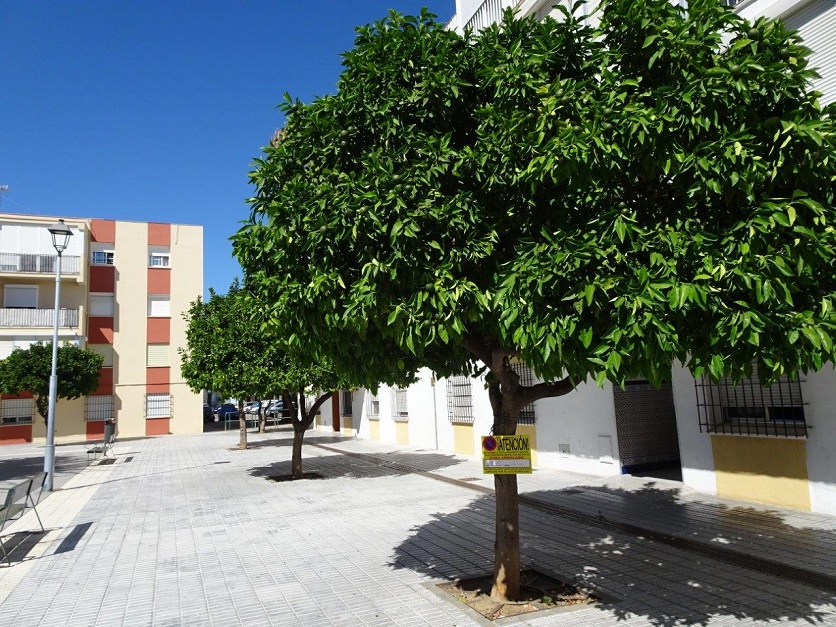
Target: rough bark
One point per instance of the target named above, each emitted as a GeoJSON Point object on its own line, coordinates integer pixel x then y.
{"type": "Point", "coordinates": [507, 399]}
{"type": "Point", "coordinates": [262, 417]}
{"type": "Point", "coordinates": [242, 426]}
{"type": "Point", "coordinates": [301, 423]}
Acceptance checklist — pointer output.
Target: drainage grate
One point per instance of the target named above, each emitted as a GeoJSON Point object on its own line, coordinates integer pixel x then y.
{"type": "Point", "coordinates": [129, 459]}
{"type": "Point", "coordinates": [107, 462]}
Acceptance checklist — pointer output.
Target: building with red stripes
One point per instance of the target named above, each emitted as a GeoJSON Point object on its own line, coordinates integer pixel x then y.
{"type": "Point", "coordinates": [124, 286]}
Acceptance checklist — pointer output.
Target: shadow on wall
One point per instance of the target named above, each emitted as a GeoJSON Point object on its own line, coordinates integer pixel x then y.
{"type": "Point", "coordinates": [668, 585]}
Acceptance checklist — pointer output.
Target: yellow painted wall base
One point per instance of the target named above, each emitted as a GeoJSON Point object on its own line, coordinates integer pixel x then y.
{"type": "Point", "coordinates": [346, 425]}
{"type": "Point", "coordinates": [764, 470]}
{"type": "Point", "coordinates": [531, 432]}
{"type": "Point", "coordinates": [463, 439]}
{"type": "Point", "coordinates": [402, 433]}
{"type": "Point", "coordinates": [374, 429]}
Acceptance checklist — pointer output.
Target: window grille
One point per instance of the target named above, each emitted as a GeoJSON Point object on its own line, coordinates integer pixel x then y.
{"type": "Point", "coordinates": [158, 406]}
{"type": "Point", "coordinates": [526, 375]}
{"type": "Point", "coordinates": [17, 411]}
{"type": "Point", "coordinates": [750, 408]}
{"type": "Point", "coordinates": [346, 408]}
{"type": "Point", "coordinates": [460, 399]}
{"type": "Point", "coordinates": [400, 408]}
{"type": "Point", "coordinates": [98, 408]}
{"type": "Point", "coordinates": [374, 406]}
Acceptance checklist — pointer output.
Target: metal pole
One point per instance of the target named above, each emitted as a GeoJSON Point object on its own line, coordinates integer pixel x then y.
{"type": "Point", "coordinates": [49, 454]}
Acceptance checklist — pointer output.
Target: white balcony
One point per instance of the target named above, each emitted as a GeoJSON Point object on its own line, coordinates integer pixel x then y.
{"type": "Point", "coordinates": [38, 318]}
{"type": "Point", "coordinates": [26, 263]}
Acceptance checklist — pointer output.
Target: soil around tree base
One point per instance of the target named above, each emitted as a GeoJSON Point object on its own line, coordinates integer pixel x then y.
{"type": "Point", "coordinates": [305, 475]}
{"type": "Point", "coordinates": [538, 592]}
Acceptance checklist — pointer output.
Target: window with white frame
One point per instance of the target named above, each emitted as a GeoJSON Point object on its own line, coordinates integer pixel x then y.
{"type": "Point", "coordinates": [101, 304]}
{"type": "Point", "coordinates": [103, 257]}
{"type": "Point", "coordinates": [157, 406]}
{"type": "Point", "coordinates": [158, 356]}
{"type": "Point", "coordinates": [159, 306]}
{"type": "Point", "coordinates": [159, 257]}
{"type": "Point", "coordinates": [374, 406]}
{"type": "Point", "coordinates": [400, 409]}
{"type": "Point", "coordinates": [460, 399]}
{"type": "Point", "coordinates": [17, 411]}
{"type": "Point", "coordinates": [346, 408]}
{"type": "Point", "coordinates": [98, 408]}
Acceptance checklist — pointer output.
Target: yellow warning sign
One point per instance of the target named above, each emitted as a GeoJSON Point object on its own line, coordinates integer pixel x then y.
{"type": "Point", "coordinates": [506, 455]}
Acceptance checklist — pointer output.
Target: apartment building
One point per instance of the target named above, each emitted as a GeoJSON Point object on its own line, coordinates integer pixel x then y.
{"type": "Point", "coordinates": [769, 445]}
{"type": "Point", "coordinates": [123, 288]}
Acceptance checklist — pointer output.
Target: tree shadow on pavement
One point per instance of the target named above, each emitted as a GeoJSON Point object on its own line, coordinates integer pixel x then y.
{"type": "Point", "coordinates": [19, 468]}
{"type": "Point", "coordinates": [360, 465]}
{"type": "Point", "coordinates": [638, 574]}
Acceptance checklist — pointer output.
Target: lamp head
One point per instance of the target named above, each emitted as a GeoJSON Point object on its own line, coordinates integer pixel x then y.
{"type": "Point", "coordinates": [61, 235]}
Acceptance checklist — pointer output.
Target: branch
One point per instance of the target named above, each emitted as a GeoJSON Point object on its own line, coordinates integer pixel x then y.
{"type": "Point", "coordinates": [545, 390]}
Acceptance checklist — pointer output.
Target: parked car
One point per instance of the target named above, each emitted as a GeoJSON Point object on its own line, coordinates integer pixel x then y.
{"type": "Point", "coordinates": [274, 408]}
{"type": "Point", "coordinates": [252, 408]}
{"type": "Point", "coordinates": [227, 411]}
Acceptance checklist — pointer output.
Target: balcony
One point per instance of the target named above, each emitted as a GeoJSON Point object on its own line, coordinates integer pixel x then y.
{"type": "Point", "coordinates": [38, 264]}
{"type": "Point", "coordinates": [35, 318]}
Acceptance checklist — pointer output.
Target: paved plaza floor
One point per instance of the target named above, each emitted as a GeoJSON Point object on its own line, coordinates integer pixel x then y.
{"type": "Point", "coordinates": [189, 531]}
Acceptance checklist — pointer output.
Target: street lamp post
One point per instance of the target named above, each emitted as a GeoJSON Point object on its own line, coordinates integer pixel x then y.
{"type": "Point", "coordinates": [61, 234]}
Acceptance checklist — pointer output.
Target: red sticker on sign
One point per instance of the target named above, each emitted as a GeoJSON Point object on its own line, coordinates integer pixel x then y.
{"type": "Point", "coordinates": [489, 443]}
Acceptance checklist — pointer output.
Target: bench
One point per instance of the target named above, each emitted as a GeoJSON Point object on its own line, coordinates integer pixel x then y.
{"type": "Point", "coordinates": [101, 449]}
{"type": "Point", "coordinates": [19, 498]}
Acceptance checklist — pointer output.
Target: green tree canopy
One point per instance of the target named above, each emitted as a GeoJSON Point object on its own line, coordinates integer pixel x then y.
{"type": "Point", "coordinates": [28, 370]}
{"type": "Point", "coordinates": [597, 201]}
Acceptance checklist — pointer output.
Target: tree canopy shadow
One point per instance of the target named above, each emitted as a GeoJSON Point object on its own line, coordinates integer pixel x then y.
{"type": "Point", "coordinates": [360, 465]}
{"type": "Point", "coordinates": [665, 577]}
{"type": "Point", "coordinates": [14, 469]}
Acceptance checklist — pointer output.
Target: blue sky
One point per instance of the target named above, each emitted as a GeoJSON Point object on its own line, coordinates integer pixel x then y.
{"type": "Point", "coordinates": [154, 110]}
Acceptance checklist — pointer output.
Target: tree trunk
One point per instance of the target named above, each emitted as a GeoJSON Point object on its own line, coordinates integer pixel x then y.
{"type": "Point", "coordinates": [300, 425]}
{"type": "Point", "coordinates": [506, 569]}
{"type": "Point", "coordinates": [242, 426]}
{"type": "Point", "coordinates": [299, 429]}
{"type": "Point", "coordinates": [262, 417]}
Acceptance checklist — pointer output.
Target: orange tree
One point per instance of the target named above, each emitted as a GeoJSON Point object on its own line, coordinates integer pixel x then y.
{"type": "Point", "coordinates": [595, 201]}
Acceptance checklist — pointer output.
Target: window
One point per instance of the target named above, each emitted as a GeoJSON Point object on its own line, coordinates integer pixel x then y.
{"type": "Point", "coordinates": [374, 406]}
{"type": "Point", "coordinates": [102, 257]}
{"type": "Point", "coordinates": [17, 411]}
{"type": "Point", "coordinates": [101, 305]}
{"type": "Point", "coordinates": [158, 356]}
{"type": "Point", "coordinates": [106, 351]}
{"type": "Point", "coordinates": [20, 296]}
{"type": "Point", "coordinates": [159, 260]}
{"type": "Point", "coordinates": [159, 306]}
{"type": "Point", "coordinates": [400, 410]}
{"type": "Point", "coordinates": [750, 408]}
{"type": "Point", "coordinates": [459, 399]}
{"type": "Point", "coordinates": [157, 406]}
{"type": "Point", "coordinates": [345, 403]}
{"type": "Point", "coordinates": [526, 375]}
{"type": "Point", "coordinates": [98, 408]}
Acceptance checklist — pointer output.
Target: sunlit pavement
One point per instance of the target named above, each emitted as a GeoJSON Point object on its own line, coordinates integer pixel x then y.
{"type": "Point", "coordinates": [189, 531]}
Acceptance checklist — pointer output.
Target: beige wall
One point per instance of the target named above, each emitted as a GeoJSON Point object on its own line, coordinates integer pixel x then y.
{"type": "Point", "coordinates": [129, 334]}
{"type": "Point", "coordinates": [764, 470]}
{"type": "Point", "coordinates": [186, 286]}
{"type": "Point", "coordinates": [69, 422]}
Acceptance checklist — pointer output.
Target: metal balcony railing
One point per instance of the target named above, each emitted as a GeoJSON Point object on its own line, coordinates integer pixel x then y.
{"type": "Point", "coordinates": [38, 264]}
{"type": "Point", "coordinates": [38, 317]}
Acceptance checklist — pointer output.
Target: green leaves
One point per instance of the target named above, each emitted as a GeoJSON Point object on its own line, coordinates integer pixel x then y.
{"type": "Point", "coordinates": [29, 371]}
{"type": "Point", "coordinates": [599, 201]}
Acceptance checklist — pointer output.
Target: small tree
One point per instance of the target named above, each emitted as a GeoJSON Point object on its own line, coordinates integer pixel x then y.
{"type": "Point", "coordinates": [228, 352]}
{"type": "Point", "coordinates": [595, 201]}
{"type": "Point", "coordinates": [28, 370]}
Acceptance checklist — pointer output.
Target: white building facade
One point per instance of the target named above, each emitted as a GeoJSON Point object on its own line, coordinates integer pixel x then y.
{"type": "Point", "coordinates": [769, 445]}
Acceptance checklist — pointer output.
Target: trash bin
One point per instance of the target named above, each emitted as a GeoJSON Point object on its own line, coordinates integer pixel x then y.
{"type": "Point", "coordinates": [109, 430]}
